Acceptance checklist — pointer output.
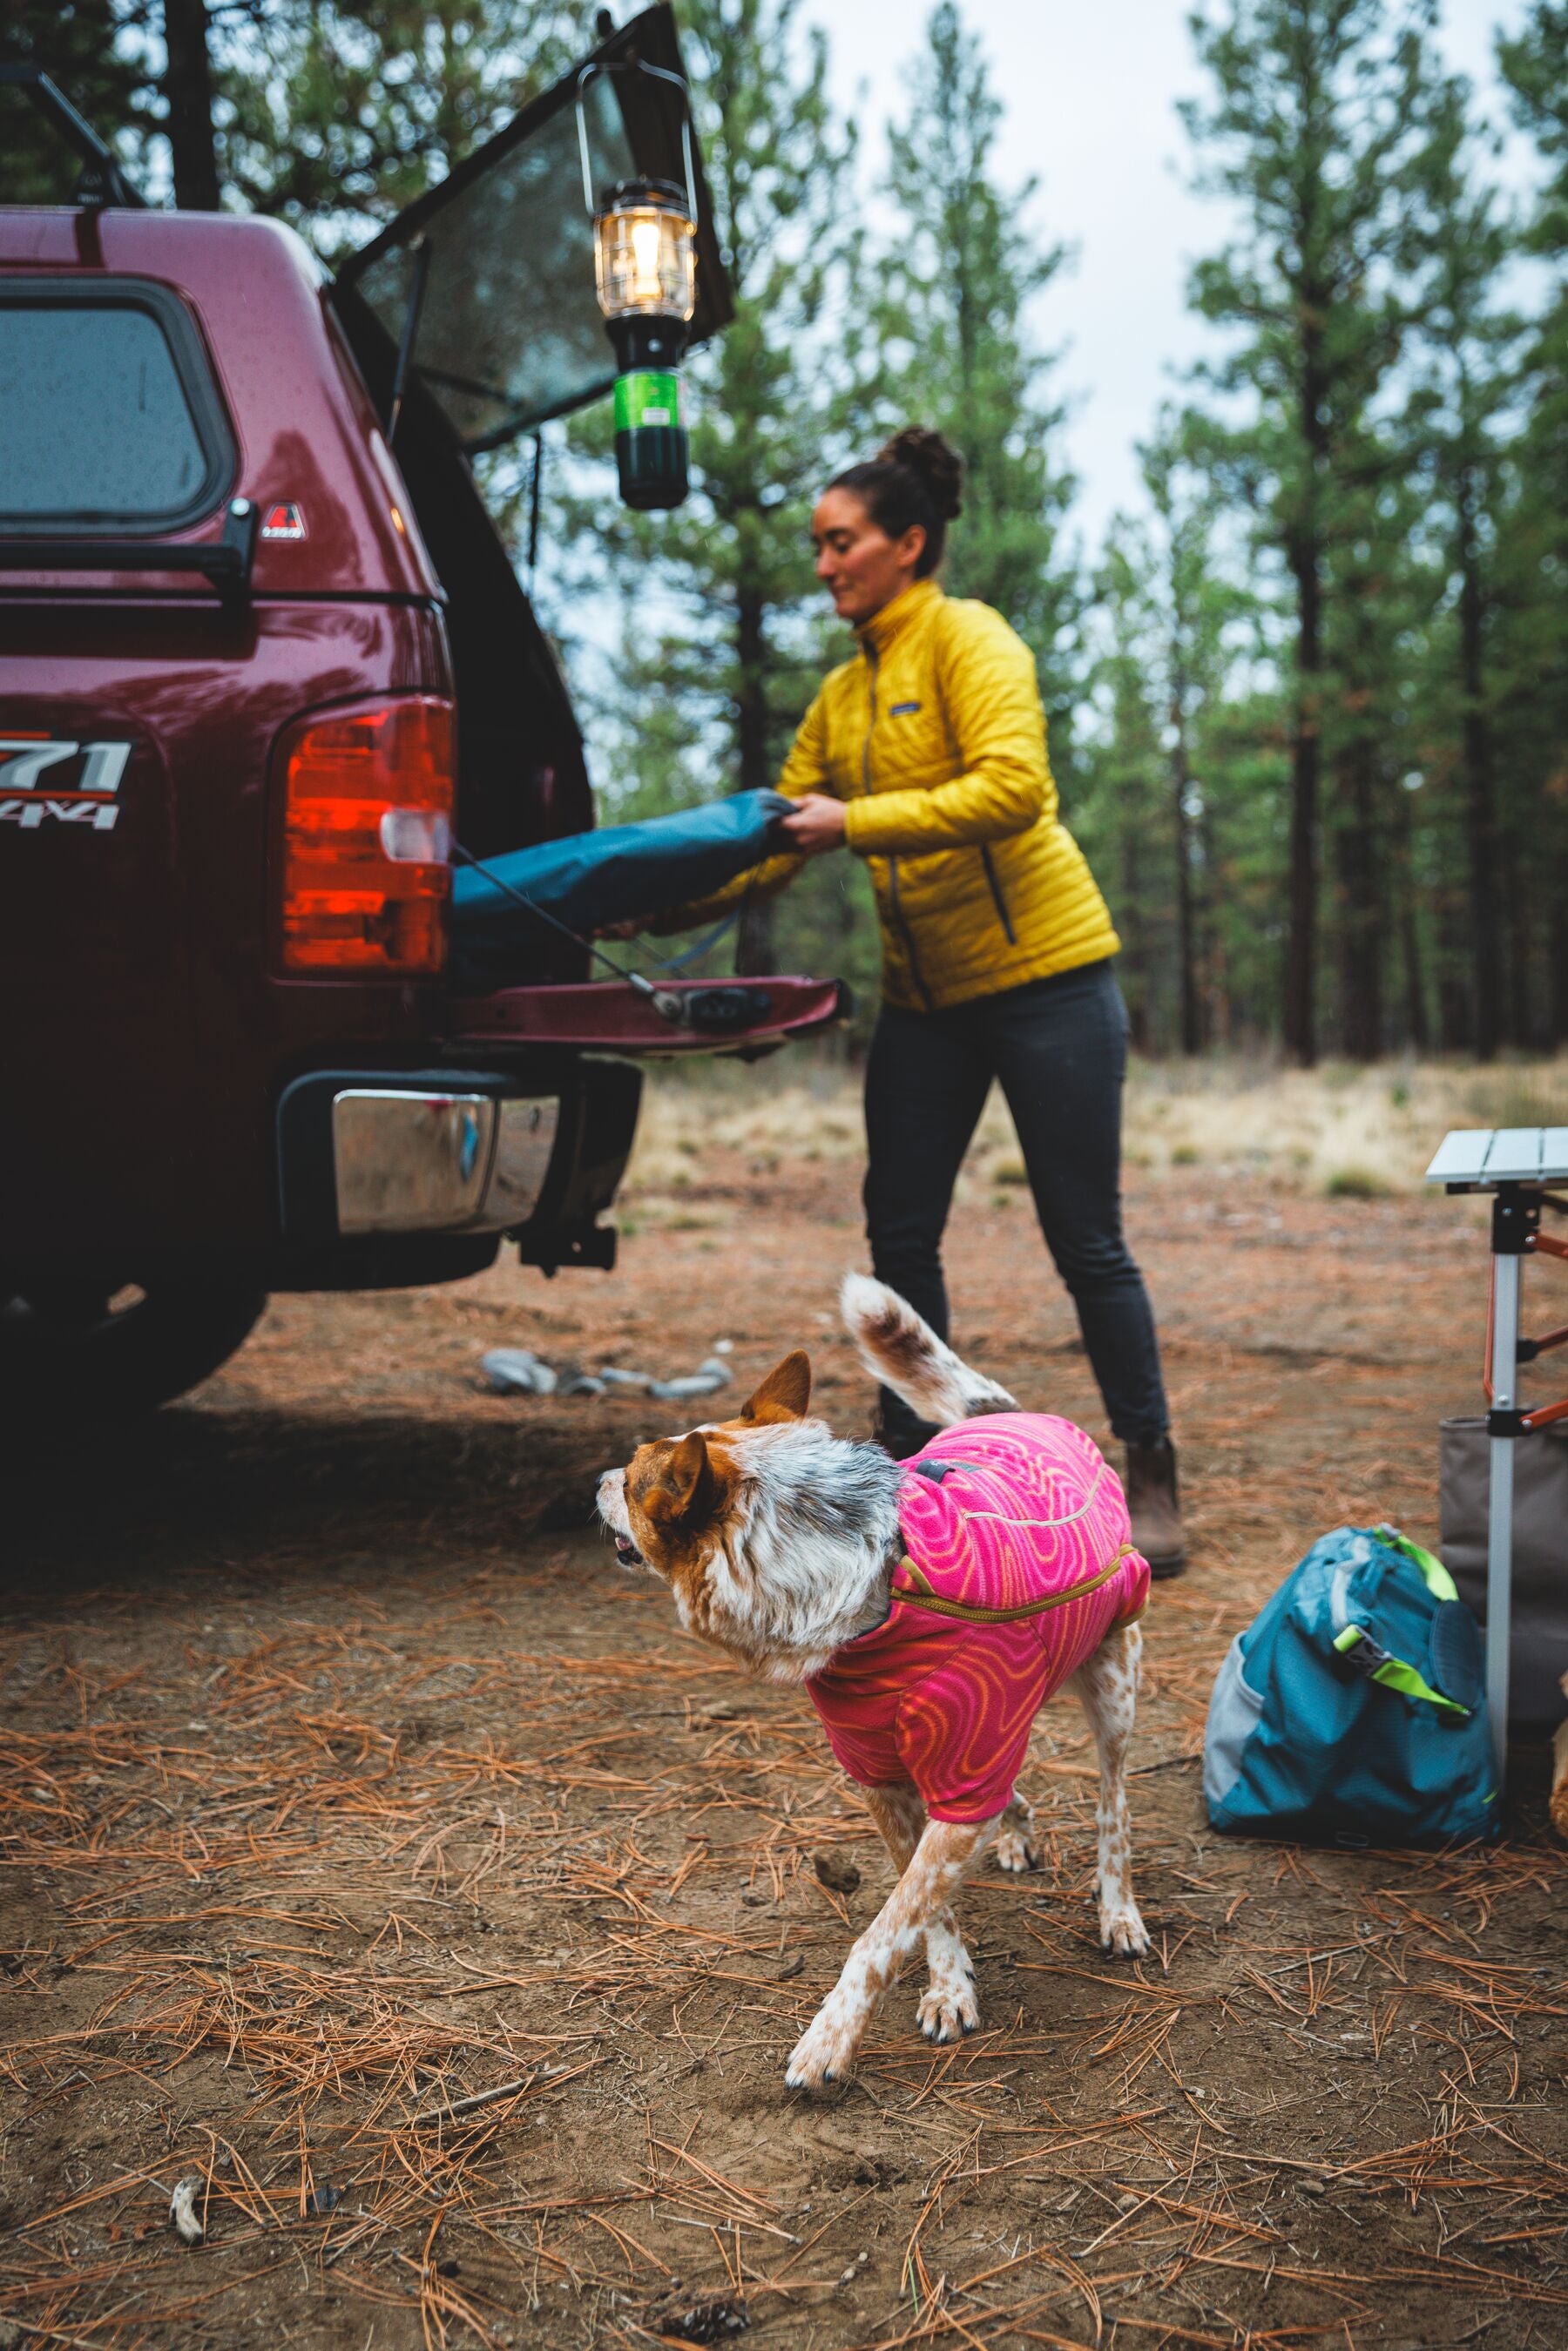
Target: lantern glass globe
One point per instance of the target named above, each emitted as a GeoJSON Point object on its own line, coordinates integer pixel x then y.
{"type": "Point", "coordinates": [645, 257]}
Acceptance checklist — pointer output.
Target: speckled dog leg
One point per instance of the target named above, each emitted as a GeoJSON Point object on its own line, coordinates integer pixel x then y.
{"type": "Point", "coordinates": [826, 2050]}
{"type": "Point", "coordinates": [949, 2006]}
{"type": "Point", "coordinates": [1016, 1848]}
{"type": "Point", "coordinates": [1107, 1687]}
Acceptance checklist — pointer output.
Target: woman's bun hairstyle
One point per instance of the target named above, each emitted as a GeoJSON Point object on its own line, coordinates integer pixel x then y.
{"type": "Point", "coordinates": [915, 477]}
{"type": "Point", "coordinates": [934, 460]}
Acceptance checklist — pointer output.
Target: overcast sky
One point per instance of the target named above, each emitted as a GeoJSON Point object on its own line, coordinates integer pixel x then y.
{"type": "Point", "coordinates": [1091, 95]}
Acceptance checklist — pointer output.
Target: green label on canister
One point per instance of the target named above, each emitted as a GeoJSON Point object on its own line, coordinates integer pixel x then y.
{"type": "Point", "coordinates": [646, 396]}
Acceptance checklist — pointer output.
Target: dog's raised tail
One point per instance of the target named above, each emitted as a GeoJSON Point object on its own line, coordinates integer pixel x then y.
{"type": "Point", "coordinates": [905, 1354]}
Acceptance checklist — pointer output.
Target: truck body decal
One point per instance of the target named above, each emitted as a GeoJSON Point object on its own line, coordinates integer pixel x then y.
{"type": "Point", "coordinates": [26, 760]}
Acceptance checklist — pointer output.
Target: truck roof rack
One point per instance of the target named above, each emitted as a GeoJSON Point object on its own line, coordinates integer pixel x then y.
{"type": "Point", "coordinates": [101, 181]}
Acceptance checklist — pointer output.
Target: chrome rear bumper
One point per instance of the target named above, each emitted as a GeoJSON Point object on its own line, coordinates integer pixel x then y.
{"type": "Point", "coordinates": [438, 1163]}
{"type": "Point", "coordinates": [379, 1170]}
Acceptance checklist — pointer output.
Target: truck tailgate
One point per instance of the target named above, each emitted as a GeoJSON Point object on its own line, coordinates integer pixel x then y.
{"type": "Point", "coordinates": [611, 1016]}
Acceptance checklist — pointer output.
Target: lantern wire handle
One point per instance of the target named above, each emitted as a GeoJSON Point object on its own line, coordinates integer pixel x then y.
{"type": "Point", "coordinates": [660, 73]}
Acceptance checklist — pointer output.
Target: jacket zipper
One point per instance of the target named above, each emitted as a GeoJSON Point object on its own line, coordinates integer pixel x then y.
{"type": "Point", "coordinates": [870, 658]}
{"type": "Point", "coordinates": [905, 932]}
{"type": "Point", "coordinates": [1003, 916]}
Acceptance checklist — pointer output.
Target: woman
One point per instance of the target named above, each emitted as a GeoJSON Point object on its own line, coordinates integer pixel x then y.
{"type": "Point", "coordinates": [926, 755]}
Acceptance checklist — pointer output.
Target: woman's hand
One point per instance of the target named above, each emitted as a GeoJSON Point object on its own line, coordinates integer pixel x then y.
{"type": "Point", "coordinates": [814, 824]}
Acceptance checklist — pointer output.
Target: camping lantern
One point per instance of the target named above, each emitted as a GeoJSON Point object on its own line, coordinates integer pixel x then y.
{"type": "Point", "coordinates": [644, 267]}
{"type": "Point", "coordinates": [644, 270]}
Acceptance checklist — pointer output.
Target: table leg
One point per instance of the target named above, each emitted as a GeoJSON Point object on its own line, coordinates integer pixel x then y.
{"type": "Point", "coordinates": [1500, 1515]}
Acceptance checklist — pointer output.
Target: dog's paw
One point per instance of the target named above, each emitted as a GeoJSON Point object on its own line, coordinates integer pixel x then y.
{"type": "Point", "coordinates": [1014, 1852]}
{"type": "Point", "coordinates": [824, 2053]}
{"type": "Point", "coordinates": [949, 2008]}
{"type": "Point", "coordinates": [1123, 1932]}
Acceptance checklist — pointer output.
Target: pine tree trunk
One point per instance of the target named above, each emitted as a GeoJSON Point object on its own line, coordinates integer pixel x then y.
{"type": "Point", "coordinates": [1187, 948]}
{"type": "Point", "coordinates": [1135, 952]}
{"type": "Point", "coordinates": [1516, 929]}
{"type": "Point", "coordinates": [1361, 904]}
{"type": "Point", "coordinates": [188, 94]}
{"type": "Point", "coordinates": [1306, 566]}
{"type": "Point", "coordinates": [1301, 950]}
{"type": "Point", "coordinates": [1220, 1015]}
{"type": "Point", "coordinates": [1417, 1035]}
{"type": "Point", "coordinates": [1455, 997]}
{"type": "Point", "coordinates": [1480, 798]}
{"type": "Point", "coordinates": [754, 951]}
{"type": "Point", "coordinates": [1557, 932]}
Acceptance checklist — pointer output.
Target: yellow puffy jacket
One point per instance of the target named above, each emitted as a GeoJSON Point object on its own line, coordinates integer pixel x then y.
{"type": "Point", "coordinates": [933, 737]}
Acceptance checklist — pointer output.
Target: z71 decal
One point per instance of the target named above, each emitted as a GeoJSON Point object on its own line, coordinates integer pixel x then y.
{"type": "Point", "coordinates": [35, 788]}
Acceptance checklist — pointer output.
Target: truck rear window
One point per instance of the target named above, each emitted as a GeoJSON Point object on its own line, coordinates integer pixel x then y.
{"type": "Point", "coordinates": [108, 416]}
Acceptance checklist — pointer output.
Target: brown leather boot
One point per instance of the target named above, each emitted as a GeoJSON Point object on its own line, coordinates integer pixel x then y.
{"type": "Point", "coordinates": [1154, 1509]}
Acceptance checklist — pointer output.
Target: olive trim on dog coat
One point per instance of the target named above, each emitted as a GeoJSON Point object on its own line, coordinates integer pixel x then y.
{"type": "Point", "coordinates": [917, 1593]}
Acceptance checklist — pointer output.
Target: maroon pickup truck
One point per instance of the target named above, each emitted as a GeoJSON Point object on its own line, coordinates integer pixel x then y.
{"type": "Point", "coordinates": [263, 656]}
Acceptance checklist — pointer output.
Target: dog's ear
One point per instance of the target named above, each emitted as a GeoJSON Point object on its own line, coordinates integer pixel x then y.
{"type": "Point", "coordinates": [687, 1490]}
{"type": "Point", "coordinates": [785, 1393]}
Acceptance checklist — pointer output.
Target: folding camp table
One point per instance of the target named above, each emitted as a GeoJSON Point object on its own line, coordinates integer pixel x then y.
{"type": "Point", "coordinates": [1518, 1166]}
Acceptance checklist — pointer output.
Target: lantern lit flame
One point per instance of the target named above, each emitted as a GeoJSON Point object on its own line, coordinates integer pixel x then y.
{"type": "Point", "coordinates": [644, 259]}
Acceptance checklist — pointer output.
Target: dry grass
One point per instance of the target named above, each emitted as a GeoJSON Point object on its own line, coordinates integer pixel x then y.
{"type": "Point", "coordinates": [1345, 1131]}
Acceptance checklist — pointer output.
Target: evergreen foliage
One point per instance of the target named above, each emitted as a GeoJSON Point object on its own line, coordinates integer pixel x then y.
{"type": "Point", "coordinates": [1183, 765]}
{"type": "Point", "coordinates": [1322, 128]}
{"type": "Point", "coordinates": [1535, 67]}
{"type": "Point", "coordinates": [958, 353]}
{"type": "Point", "coordinates": [335, 114]}
{"type": "Point", "coordinates": [94, 51]}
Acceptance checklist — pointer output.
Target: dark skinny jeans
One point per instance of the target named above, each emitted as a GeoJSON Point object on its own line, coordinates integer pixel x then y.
{"type": "Point", "coordinates": [1058, 1047]}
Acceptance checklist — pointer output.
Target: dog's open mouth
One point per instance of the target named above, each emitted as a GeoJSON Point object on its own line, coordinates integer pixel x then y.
{"type": "Point", "coordinates": [627, 1552]}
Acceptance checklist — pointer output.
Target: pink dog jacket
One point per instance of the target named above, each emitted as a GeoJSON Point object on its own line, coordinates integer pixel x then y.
{"type": "Point", "coordinates": [1020, 1559]}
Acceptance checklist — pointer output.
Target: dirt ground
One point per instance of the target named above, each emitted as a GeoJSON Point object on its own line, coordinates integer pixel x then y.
{"type": "Point", "coordinates": [346, 1781]}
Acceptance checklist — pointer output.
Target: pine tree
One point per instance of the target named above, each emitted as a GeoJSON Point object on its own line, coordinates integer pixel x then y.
{"type": "Point", "coordinates": [1124, 811]}
{"type": "Point", "coordinates": [1191, 611]}
{"type": "Point", "coordinates": [1535, 67]}
{"type": "Point", "coordinates": [959, 355]}
{"type": "Point", "coordinates": [93, 50]}
{"type": "Point", "coordinates": [1178, 772]}
{"type": "Point", "coordinates": [1465, 413]}
{"type": "Point", "coordinates": [323, 112]}
{"type": "Point", "coordinates": [332, 112]}
{"type": "Point", "coordinates": [1320, 127]}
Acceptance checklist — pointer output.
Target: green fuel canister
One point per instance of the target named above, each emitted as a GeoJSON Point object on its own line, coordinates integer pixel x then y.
{"type": "Point", "coordinates": [650, 438]}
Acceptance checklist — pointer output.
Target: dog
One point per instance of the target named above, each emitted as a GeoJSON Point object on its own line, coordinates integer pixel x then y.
{"type": "Point", "coordinates": [929, 1607]}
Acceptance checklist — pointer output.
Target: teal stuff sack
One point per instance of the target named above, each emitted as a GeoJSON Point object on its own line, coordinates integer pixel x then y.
{"type": "Point", "coordinates": [1352, 1711]}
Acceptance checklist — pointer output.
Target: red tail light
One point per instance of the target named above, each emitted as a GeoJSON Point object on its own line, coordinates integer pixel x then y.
{"type": "Point", "coordinates": [367, 835]}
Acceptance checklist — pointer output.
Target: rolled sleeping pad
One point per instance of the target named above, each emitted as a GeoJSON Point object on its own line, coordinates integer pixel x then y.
{"type": "Point", "coordinates": [591, 879]}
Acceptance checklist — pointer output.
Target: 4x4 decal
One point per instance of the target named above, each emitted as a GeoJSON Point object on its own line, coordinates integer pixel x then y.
{"type": "Point", "coordinates": [33, 789]}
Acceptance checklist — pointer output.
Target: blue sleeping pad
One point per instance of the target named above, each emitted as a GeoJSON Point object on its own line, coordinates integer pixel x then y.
{"type": "Point", "coordinates": [591, 879]}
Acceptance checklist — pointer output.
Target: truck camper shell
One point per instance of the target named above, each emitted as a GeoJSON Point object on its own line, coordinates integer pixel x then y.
{"type": "Point", "coordinates": [263, 657]}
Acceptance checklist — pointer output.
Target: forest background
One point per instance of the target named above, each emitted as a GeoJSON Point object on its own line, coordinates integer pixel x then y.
{"type": "Point", "coordinates": [1308, 709]}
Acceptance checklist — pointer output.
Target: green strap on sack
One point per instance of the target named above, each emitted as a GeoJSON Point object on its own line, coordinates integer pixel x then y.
{"type": "Point", "coordinates": [1357, 1642]}
{"type": "Point", "coordinates": [1440, 1582]}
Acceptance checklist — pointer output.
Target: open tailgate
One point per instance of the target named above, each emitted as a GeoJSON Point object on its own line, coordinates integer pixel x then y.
{"type": "Point", "coordinates": [611, 1016]}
